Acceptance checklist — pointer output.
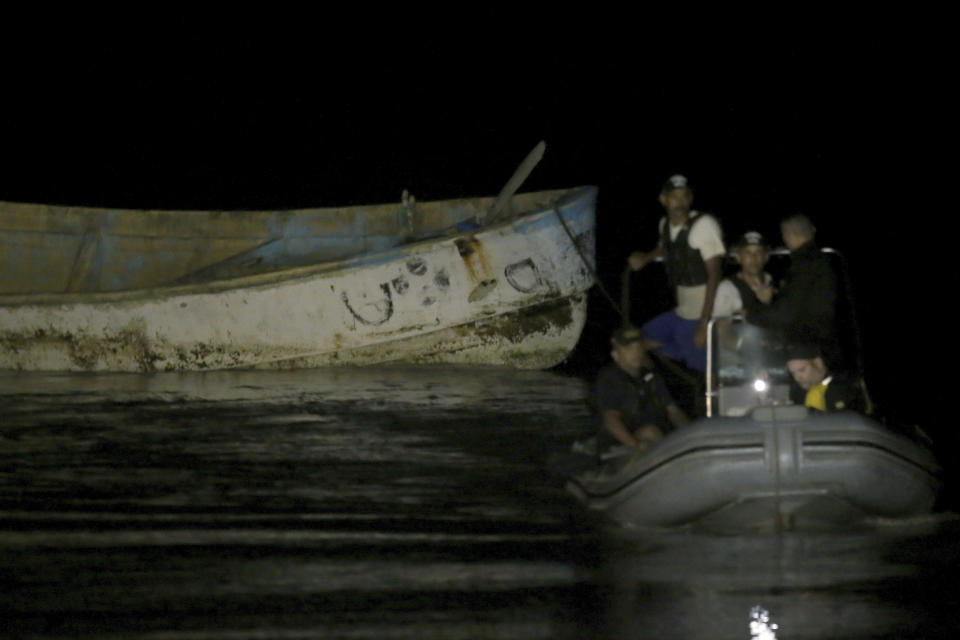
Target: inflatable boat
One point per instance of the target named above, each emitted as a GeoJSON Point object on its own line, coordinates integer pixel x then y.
{"type": "Point", "coordinates": [760, 459]}
{"type": "Point", "coordinates": [779, 467]}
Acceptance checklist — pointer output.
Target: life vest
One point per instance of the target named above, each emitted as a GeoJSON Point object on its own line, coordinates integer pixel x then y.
{"type": "Point", "coordinates": [748, 299]}
{"type": "Point", "coordinates": [685, 267]}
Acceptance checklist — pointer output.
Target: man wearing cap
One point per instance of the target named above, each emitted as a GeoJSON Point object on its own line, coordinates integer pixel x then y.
{"type": "Point", "coordinates": [636, 408]}
{"type": "Point", "coordinates": [691, 246]}
{"type": "Point", "coordinates": [824, 391]}
{"type": "Point", "coordinates": [750, 287]}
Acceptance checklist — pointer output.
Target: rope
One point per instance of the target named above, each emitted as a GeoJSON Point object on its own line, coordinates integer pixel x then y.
{"type": "Point", "coordinates": [623, 310]}
{"type": "Point", "coordinates": [593, 271]}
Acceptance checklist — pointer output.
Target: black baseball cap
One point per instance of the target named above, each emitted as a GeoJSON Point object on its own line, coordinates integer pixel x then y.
{"type": "Point", "coordinates": [752, 238]}
{"type": "Point", "coordinates": [628, 335]}
{"type": "Point", "coordinates": [676, 181]}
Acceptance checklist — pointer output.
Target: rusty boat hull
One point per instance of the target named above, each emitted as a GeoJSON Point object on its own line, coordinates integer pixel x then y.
{"type": "Point", "coordinates": [103, 290]}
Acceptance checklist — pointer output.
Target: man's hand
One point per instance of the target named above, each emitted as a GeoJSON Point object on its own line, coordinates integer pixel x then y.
{"type": "Point", "coordinates": [646, 436]}
{"type": "Point", "coordinates": [638, 260]}
{"type": "Point", "coordinates": [764, 293]}
{"type": "Point", "coordinates": [761, 289]}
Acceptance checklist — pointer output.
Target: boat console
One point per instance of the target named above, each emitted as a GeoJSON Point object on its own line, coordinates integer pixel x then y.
{"type": "Point", "coordinates": [746, 368]}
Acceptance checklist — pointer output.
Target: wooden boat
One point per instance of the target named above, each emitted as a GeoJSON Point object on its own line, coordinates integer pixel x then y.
{"type": "Point", "coordinates": [84, 289]}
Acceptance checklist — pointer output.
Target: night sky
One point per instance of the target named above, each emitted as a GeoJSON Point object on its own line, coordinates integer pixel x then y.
{"type": "Point", "coordinates": [821, 124]}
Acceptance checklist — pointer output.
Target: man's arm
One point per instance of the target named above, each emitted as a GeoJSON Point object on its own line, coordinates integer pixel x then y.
{"type": "Point", "coordinates": [644, 437]}
{"type": "Point", "coordinates": [678, 418]}
{"type": "Point", "coordinates": [613, 423]}
{"type": "Point", "coordinates": [638, 259]}
{"type": "Point", "coordinates": [714, 272]}
{"type": "Point", "coordinates": [727, 301]}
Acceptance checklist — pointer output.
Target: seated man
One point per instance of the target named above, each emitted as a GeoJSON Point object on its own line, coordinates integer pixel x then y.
{"type": "Point", "coordinates": [636, 408]}
{"type": "Point", "coordinates": [825, 391]}
{"type": "Point", "coordinates": [750, 287]}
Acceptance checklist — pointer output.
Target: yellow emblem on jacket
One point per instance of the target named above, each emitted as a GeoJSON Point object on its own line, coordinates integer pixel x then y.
{"type": "Point", "coordinates": [817, 397]}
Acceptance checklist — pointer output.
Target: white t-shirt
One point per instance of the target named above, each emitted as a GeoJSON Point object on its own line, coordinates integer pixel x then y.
{"type": "Point", "coordinates": [728, 300]}
{"type": "Point", "coordinates": [706, 237]}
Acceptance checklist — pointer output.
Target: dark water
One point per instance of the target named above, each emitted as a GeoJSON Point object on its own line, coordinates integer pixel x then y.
{"type": "Point", "coordinates": [389, 503]}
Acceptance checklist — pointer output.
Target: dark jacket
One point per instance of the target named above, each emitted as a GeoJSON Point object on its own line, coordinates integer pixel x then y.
{"type": "Point", "coordinates": [843, 393]}
{"type": "Point", "coordinates": [805, 309]}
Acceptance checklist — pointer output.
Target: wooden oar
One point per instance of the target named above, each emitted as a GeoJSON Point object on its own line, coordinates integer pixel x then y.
{"type": "Point", "coordinates": [499, 210]}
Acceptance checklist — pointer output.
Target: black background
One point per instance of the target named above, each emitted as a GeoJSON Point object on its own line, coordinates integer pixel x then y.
{"type": "Point", "coordinates": [844, 126]}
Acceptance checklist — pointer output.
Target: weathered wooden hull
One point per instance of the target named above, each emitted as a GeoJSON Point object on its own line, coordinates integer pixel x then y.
{"type": "Point", "coordinates": [509, 294]}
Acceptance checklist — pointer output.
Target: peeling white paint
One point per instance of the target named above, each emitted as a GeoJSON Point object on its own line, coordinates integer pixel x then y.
{"type": "Point", "coordinates": [418, 303]}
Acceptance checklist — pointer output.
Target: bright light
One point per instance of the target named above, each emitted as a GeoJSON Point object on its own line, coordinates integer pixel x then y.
{"type": "Point", "coordinates": [760, 385]}
{"type": "Point", "coordinates": [760, 626]}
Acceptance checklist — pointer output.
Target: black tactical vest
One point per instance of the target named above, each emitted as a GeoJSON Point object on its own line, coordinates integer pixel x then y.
{"type": "Point", "coordinates": [748, 298]}
{"type": "Point", "coordinates": [685, 267]}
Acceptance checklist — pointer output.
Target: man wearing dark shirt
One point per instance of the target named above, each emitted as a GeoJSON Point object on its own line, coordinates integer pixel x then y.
{"type": "Point", "coordinates": [805, 309]}
{"type": "Point", "coordinates": [636, 408]}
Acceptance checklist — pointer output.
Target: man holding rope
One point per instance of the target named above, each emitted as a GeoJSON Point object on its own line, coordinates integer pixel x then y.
{"type": "Point", "coordinates": [691, 245]}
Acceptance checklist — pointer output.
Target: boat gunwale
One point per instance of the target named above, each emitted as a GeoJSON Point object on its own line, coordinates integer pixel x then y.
{"type": "Point", "coordinates": [357, 208]}
{"type": "Point", "coordinates": [295, 273]}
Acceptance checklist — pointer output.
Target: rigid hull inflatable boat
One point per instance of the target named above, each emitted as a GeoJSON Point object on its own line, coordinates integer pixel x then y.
{"type": "Point", "coordinates": [778, 467]}
{"type": "Point", "coordinates": [762, 460]}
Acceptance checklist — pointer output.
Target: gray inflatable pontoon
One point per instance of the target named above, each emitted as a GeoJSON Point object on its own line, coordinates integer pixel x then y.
{"type": "Point", "coordinates": [778, 468]}
{"type": "Point", "coordinates": [759, 462]}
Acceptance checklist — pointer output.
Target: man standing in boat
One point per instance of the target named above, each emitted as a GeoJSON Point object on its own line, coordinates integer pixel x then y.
{"type": "Point", "coordinates": [691, 245]}
{"type": "Point", "coordinates": [804, 311]}
{"type": "Point", "coordinates": [636, 408]}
